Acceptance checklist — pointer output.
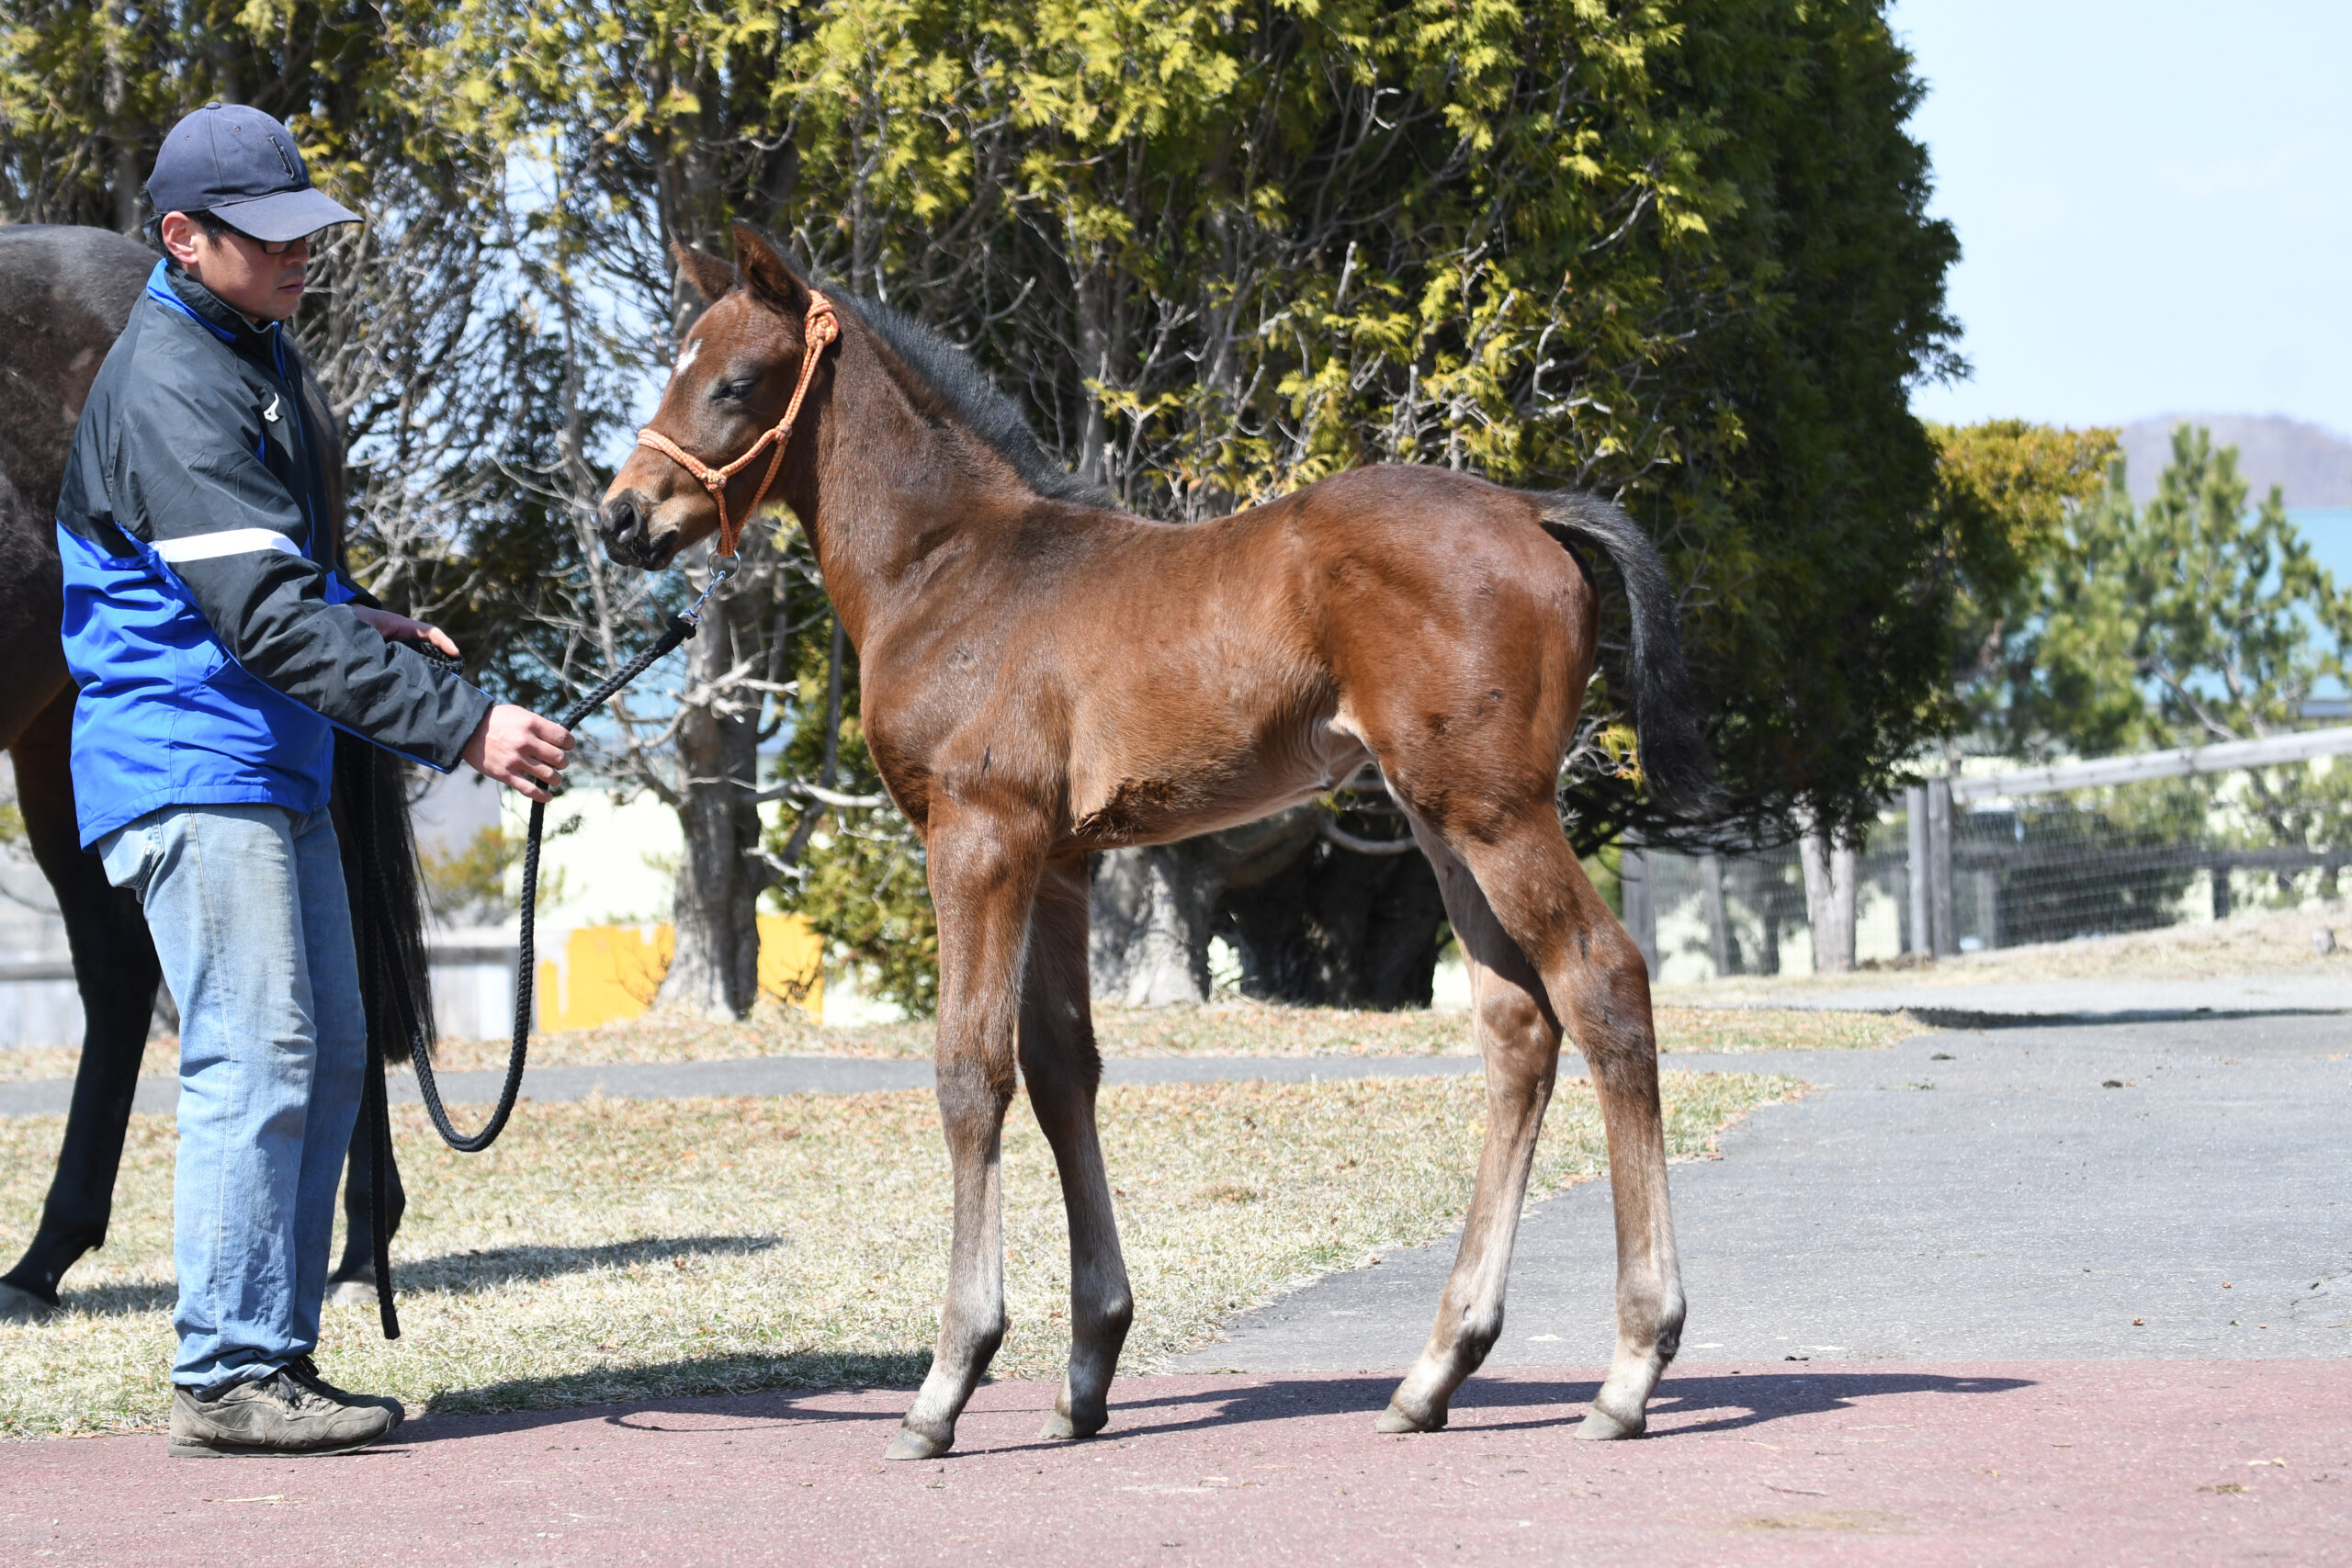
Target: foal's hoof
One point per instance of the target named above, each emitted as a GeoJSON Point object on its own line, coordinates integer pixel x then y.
{"type": "Point", "coordinates": [1396, 1419]}
{"type": "Point", "coordinates": [912, 1444]}
{"type": "Point", "coordinates": [1599, 1427]}
{"type": "Point", "coordinates": [1063, 1427]}
{"type": "Point", "coordinates": [20, 1306]}
{"type": "Point", "coordinates": [352, 1293]}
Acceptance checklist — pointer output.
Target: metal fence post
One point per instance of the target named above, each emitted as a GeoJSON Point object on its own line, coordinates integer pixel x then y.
{"type": "Point", "coordinates": [1944, 941]}
{"type": "Point", "coordinates": [1915, 871]}
{"type": "Point", "coordinates": [1640, 901]}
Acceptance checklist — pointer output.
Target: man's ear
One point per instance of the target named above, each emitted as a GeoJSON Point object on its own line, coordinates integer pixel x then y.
{"type": "Point", "coordinates": [704, 272]}
{"type": "Point", "coordinates": [759, 265]}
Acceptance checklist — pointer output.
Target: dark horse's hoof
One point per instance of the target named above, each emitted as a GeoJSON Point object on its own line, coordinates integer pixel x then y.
{"type": "Point", "coordinates": [20, 1306]}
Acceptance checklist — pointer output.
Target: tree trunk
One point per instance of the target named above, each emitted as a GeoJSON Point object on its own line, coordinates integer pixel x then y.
{"type": "Point", "coordinates": [1830, 871]}
{"type": "Point", "coordinates": [1722, 943]}
{"type": "Point", "coordinates": [716, 969]}
{"type": "Point", "coordinates": [1149, 945]}
{"type": "Point", "coordinates": [1154, 909]}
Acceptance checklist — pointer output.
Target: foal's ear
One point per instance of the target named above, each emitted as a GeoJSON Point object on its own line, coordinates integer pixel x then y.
{"type": "Point", "coordinates": [704, 272]}
{"type": "Point", "coordinates": [766, 271]}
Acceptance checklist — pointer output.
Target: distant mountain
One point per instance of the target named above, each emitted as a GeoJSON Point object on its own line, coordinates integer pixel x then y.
{"type": "Point", "coordinates": [2312, 466]}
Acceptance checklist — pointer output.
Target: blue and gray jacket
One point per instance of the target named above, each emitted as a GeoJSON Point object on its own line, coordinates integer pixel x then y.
{"type": "Point", "coordinates": [204, 621]}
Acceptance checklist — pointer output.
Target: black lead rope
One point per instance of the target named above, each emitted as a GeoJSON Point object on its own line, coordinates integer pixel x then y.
{"type": "Point", "coordinates": [680, 628]}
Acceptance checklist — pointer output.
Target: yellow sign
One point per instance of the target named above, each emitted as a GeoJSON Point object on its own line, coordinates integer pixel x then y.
{"type": "Point", "coordinates": [610, 973]}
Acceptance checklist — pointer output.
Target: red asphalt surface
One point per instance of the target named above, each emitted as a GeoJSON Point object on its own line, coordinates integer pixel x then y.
{"type": "Point", "coordinates": [1835, 1464]}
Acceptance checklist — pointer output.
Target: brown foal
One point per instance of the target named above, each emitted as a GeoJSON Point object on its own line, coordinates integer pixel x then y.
{"type": "Point", "coordinates": [1043, 677]}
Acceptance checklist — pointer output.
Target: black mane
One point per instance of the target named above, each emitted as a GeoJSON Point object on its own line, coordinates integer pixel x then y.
{"type": "Point", "coordinates": [974, 401]}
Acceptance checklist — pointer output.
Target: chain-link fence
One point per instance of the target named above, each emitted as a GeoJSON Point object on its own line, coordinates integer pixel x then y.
{"type": "Point", "coordinates": [2000, 860]}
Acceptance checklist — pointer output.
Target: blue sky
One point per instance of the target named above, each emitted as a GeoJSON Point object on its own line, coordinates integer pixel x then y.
{"type": "Point", "coordinates": [2154, 202]}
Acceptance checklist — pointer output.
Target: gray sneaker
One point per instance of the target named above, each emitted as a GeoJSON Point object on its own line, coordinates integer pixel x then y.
{"type": "Point", "coordinates": [276, 1417]}
{"type": "Point", "coordinates": [305, 1370]}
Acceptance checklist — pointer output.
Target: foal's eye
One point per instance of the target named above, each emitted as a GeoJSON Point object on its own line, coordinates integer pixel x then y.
{"type": "Point", "coordinates": [736, 389]}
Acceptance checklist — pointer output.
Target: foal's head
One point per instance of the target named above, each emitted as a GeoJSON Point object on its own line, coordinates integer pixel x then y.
{"type": "Point", "coordinates": [733, 378]}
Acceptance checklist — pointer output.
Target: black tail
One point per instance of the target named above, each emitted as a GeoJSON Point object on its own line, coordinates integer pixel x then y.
{"type": "Point", "coordinates": [1675, 764]}
{"type": "Point", "coordinates": [387, 892]}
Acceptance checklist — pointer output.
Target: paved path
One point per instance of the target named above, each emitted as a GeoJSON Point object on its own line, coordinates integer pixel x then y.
{"type": "Point", "coordinates": [1961, 1196]}
{"type": "Point", "coordinates": [1920, 1464]}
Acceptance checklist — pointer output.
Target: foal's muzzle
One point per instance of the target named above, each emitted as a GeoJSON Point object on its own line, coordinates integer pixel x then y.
{"type": "Point", "coordinates": [627, 525]}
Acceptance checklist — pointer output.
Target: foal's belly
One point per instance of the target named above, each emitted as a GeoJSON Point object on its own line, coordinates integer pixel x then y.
{"type": "Point", "coordinates": [1158, 799]}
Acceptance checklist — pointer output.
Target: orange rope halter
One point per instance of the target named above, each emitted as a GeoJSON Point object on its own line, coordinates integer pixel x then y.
{"type": "Point", "coordinates": [821, 329]}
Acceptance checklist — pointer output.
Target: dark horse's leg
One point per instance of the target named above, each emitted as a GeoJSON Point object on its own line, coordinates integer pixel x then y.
{"type": "Point", "coordinates": [353, 1283]}
{"type": "Point", "coordinates": [114, 964]}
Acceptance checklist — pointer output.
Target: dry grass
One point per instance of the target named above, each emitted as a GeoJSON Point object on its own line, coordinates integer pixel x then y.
{"type": "Point", "coordinates": [1232, 1028]}
{"type": "Point", "coordinates": [1222, 1029]}
{"type": "Point", "coordinates": [2257, 943]}
{"type": "Point", "coordinates": [31, 1064]}
{"type": "Point", "coordinates": [612, 1248]}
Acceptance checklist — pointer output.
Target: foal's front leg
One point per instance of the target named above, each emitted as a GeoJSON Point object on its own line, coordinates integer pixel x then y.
{"type": "Point", "coordinates": [983, 880]}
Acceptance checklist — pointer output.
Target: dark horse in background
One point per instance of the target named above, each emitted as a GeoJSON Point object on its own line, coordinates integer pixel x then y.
{"type": "Point", "coordinates": [64, 295]}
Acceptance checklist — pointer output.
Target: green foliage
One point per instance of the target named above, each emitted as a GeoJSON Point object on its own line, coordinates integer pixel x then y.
{"type": "Point", "coordinates": [2006, 491]}
{"type": "Point", "coordinates": [1675, 251]}
{"type": "Point", "coordinates": [469, 885]}
{"type": "Point", "coordinates": [860, 880]}
{"type": "Point", "coordinates": [2191, 620]}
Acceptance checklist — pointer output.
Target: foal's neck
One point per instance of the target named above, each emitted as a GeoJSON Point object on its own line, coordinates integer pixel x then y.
{"type": "Point", "coordinates": [888, 486]}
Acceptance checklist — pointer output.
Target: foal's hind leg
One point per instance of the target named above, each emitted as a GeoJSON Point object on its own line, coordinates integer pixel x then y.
{"type": "Point", "coordinates": [1519, 1039]}
{"type": "Point", "coordinates": [984, 873]}
{"type": "Point", "coordinates": [1059, 1062]}
{"type": "Point", "coordinates": [1600, 986]}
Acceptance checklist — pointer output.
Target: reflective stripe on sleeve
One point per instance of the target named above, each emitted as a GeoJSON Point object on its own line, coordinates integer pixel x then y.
{"type": "Point", "coordinates": [227, 542]}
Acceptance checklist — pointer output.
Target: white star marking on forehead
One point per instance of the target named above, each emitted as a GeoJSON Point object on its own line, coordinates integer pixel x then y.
{"type": "Point", "coordinates": [686, 354]}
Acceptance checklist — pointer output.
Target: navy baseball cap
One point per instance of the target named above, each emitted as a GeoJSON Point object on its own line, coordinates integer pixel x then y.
{"type": "Point", "coordinates": [243, 167]}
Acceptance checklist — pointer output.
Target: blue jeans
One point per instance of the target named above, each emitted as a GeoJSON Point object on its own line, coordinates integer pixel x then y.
{"type": "Point", "coordinates": [247, 909]}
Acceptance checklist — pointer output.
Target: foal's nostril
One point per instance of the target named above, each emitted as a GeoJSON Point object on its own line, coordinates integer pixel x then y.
{"type": "Point", "coordinates": [621, 519]}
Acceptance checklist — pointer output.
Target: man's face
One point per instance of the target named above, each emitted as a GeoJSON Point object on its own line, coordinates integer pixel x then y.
{"type": "Point", "coordinates": [237, 268]}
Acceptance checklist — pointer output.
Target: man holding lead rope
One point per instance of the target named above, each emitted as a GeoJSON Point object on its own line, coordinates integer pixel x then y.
{"type": "Point", "coordinates": [217, 651]}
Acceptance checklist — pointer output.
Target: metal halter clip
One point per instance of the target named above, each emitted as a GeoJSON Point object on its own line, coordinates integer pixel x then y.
{"type": "Point", "coordinates": [721, 568]}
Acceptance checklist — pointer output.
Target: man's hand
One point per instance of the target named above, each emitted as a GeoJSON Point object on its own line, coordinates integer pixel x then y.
{"type": "Point", "coordinates": [399, 628]}
{"type": "Point", "coordinates": [520, 750]}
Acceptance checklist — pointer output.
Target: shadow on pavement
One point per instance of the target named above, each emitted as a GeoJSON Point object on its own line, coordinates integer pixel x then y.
{"type": "Point", "coordinates": [1744, 1399]}
{"type": "Point", "coordinates": [1726, 1401]}
{"type": "Point", "coordinates": [783, 1381]}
